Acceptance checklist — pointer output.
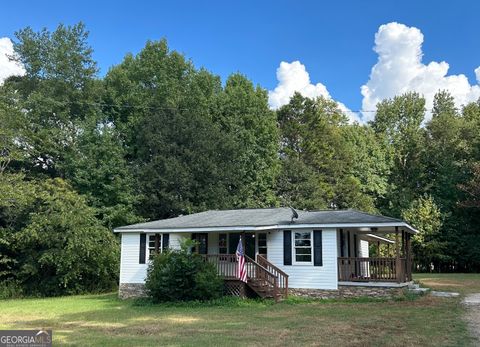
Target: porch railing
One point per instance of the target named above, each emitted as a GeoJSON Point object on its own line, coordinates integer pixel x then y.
{"type": "Point", "coordinates": [261, 274]}
{"type": "Point", "coordinates": [282, 277]}
{"type": "Point", "coordinates": [373, 269]}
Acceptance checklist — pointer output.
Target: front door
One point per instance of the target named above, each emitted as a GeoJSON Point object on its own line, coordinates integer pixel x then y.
{"type": "Point", "coordinates": [202, 243]}
{"type": "Point", "coordinates": [249, 243]}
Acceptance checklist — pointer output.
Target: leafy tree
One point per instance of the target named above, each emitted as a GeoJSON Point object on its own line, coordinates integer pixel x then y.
{"type": "Point", "coordinates": [371, 163]}
{"type": "Point", "coordinates": [56, 243]}
{"type": "Point", "coordinates": [59, 127]}
{"type": "Point", "coordinates": [316, 157]}
{"type": "Point", "coordinates": [446, 151]}
{"type": "Point", "coordinates": [399, 120]}
{"type": "Point", "coordinates": [184, 165]}
{"type": "Point", "coordinates": [193, 145]}
{"type": "Point", "coordinates": [97, 169]}
{"type": "Point", "coordinates": [472, 189]}
{"type": "Point", "coordinates": [245, 116]}
{"type": "Point", "coordinates": [55, 94]}
{"type": "Point", "coordinates": [428, 247]}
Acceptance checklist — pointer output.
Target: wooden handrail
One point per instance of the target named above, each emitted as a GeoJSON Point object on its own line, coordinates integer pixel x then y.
{"type": "Point", "coordinates": [261, 259]}
{"type": "Point", "coordinates": [265, 274]}
{"type": "Point", "coordinates": [281, 276]}
{"type": "Point", "coordinates": [262, 275]}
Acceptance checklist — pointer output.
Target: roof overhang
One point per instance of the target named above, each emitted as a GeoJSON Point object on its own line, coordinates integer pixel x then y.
{"type": "Point", "coordinates": [372, 237]}
{"type": "Point", "coordinates": [383, 226]}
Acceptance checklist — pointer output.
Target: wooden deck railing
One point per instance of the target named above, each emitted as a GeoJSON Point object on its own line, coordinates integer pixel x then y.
{"type": "Point", "coordinates": [262, 275]}
{"type": "Point", "coordinates": [226, 264]}
{"type": "Point", "coordinates": [373, 269]}
{"type": "Point", "coordinates": [282, 277]}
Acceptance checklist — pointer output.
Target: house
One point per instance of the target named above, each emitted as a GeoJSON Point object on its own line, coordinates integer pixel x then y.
{"type": "Point", "coordinates": [285, 249]}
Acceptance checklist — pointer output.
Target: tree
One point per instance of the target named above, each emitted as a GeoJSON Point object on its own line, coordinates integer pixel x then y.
{"type": "Point", "coordinates": [245, 116]}
{"type": "Point", "coordinates": [193, 145]}
{"type": "Point", "coordinates": [472, 189]}
{"type": "Point", "coordinates": [59, 127]}
{"type": "Point", "coordinates": [97, 169]}
{"type": "Point", "coordinates": [55, 95]}
{"type": "Point", "coordinates": [399, 120]}
{"type": "Point", "coordinates": [428, 247]}
{"type": "Point", "coordinates": [445, 152]}
{"type": "Point", "coordinates": [316, 157]}
{"type": "Point", "coordinates": [371, 163]}
{"type": "Point", "coordinates": [56, 243]}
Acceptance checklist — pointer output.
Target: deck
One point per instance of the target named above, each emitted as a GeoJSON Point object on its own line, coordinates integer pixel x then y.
{"type": "Point", "coordinates": [264, 278]}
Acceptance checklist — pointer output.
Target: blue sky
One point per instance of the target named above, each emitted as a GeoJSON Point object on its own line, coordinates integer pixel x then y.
{"type": "Point", "coordinates": [333, 40]}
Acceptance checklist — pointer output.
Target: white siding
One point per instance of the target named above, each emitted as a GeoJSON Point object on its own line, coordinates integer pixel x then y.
{"type": "Point", "coordinates": [307, 276]}
{"type": "Point", "coordinates": [300, 276]}
{"type": "Point", "coordinates": [363, 253]}
{"type": "Point", "coordinates": [363, 249]}
{"type": "Point", "coordinates": [212, 243]}
{"type": "Point", "coordinates": [131, 271]}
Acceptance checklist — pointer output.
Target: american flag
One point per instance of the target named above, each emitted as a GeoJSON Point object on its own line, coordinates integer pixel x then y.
{"type": "Point", "coordinates": [241, 269]}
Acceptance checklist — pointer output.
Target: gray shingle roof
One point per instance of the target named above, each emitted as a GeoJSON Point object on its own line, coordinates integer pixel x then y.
{"type": "Point", "coordinates": [259, 218]}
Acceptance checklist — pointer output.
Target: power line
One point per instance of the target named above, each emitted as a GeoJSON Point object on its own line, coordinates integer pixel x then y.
{"type": "Point", "coordinates": [163, 108]}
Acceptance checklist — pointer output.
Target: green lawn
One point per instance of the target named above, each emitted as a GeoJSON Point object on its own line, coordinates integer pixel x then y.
{"type": "Point", "coordinates": [104, 320]}
{"type": "Point", "coordinates": [462, 283]}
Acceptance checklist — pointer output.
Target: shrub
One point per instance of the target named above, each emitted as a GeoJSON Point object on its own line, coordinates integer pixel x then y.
{"type": "Point", "coordinates": [208, 285]}
{"type": "Point", "coordinates": [10, 290]}
{"type": "Point", "coordinates": [179, 275]}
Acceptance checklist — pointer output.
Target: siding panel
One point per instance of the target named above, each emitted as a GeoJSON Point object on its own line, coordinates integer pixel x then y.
{"type": "Point", "coordinates": [307, 276]}
{"type": "Point", "coordinates": [131, 271]}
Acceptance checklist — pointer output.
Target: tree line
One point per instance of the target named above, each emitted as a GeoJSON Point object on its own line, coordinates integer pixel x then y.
{"type": "Point", "coordinates": [157, 137]}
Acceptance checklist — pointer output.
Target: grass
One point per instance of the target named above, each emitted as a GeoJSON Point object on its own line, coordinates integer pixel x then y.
{"type": "Point", "coordinates": [454, 282]}
{"type": "Point", "coordinates": [104, 320]}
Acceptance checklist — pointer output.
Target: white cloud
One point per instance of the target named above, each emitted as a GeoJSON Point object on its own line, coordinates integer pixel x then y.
{"type": "Point", "coordinates": [400, 69]}
{"type": "Point", "coordinates": [7, 67]}
{"type": "Point", "coordinates": [293, 77]}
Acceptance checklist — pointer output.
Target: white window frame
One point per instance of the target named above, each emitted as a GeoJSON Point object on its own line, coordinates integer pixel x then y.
{"type": "Point", "coordinates": [160, 244]}
{"type": "Point", "coordinates": [226, 243]}
{"type": "Point", "coordinates": [257, 248]}
{"type": "Point", "coordinates": [294, 252]}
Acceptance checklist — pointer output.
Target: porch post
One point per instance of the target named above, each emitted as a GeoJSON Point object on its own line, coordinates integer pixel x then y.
{"type": "Point", "coordinates": [397, 257]}
{"type": "Point", "coordinates": [243, 241]}
{"type": "Point", "coordinates": [157, 243]}
{"type": "Point", "coordinates": [408, 258]}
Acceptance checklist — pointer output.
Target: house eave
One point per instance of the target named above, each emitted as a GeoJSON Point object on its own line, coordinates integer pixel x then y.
{"type": "Point", "coordinates": [269, 227]}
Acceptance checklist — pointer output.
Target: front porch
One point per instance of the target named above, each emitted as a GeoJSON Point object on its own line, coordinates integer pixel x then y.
{"type": "Point", "coordinates": [263, 278]}
{"type": "Point", "coordinates": [391, 264]}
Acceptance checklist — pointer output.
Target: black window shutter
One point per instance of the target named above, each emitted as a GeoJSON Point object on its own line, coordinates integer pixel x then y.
{"type": "Point", "coordinates": [355, 246]}
{"type": "Point", "coordinates": [287, 247]}
{"type": "Point", "coordinates": [166, 241]}
{"type": "Point", "coordinates": [317, 248]}
{"type": "Point", "coordinates": [143, 246]}
{"type": "Point", "coordinates": [342, 243]}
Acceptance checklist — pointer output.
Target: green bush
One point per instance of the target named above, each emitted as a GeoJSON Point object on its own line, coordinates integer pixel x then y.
{"type": "Point", "coordinates": [10, 290]}
{"type": "Point", "coordinates": [179, 276]}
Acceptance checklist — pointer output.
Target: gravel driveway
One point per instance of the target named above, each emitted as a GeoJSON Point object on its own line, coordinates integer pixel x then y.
{"type": "Point", "coordinates": [472, 303]}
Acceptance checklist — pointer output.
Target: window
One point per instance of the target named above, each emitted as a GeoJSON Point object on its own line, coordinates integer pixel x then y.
{"type": "Point", "coordinates": [202, 243]}
{"type": "Point", "coordinates": [303, 247]}
{"type": "Point", "coordinates": [222, 244]}
{"type": "Point", "coordinates": [154, 245]}
{"type": "Point", "coordinates": [262, 244]}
